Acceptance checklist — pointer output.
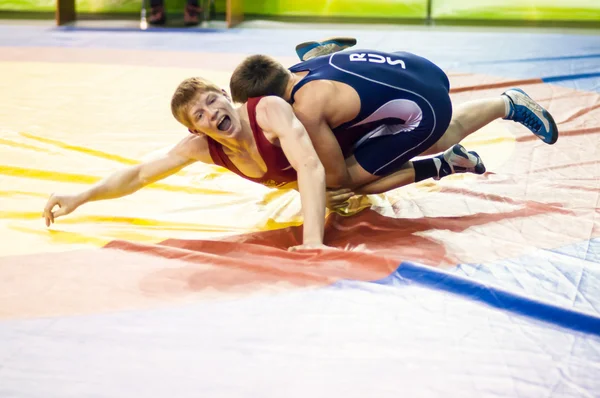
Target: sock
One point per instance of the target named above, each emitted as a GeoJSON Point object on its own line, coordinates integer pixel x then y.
{"type": "Point", "coordinates": [433, 167]}
{"type": "Point", "coordinates": [506, 105]}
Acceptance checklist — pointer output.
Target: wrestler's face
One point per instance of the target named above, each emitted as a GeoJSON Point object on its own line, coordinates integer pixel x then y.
{"type": "Point", "coordinates": [213, 114]}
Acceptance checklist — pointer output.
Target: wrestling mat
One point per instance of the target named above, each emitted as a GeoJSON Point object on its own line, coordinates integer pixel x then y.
{"type": "Point", "coordinates": [472, 286]}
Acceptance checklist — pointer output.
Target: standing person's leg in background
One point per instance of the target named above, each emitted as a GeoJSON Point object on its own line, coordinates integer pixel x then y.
{"type": "Point", "coordinates": [157, 13]}
{"type": "Point", "coordinates": [191, 13]}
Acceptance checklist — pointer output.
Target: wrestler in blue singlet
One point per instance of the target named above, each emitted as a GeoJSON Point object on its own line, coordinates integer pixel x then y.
{"type": "Point", "coordinates": [405, 106]}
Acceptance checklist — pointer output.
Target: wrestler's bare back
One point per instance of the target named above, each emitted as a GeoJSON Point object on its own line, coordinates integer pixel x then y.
{"type": "Point", "coordinates": [334, 101]}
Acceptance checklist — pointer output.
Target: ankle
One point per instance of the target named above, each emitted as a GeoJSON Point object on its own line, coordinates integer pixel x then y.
{"type": "Point", "coordinates": [507, 106]}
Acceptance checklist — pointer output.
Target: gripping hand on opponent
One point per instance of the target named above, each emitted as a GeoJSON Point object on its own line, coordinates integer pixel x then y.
{"type": "Point", "coordinates": [336, 198]}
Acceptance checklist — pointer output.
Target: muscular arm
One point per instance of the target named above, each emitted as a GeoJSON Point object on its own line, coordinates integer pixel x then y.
{"type": "Point", "coordinates": [275, 116]}
{"type": "Point", "coordinates": [309, 111]}
{"type": "Point", "coordinates": [130, 179]}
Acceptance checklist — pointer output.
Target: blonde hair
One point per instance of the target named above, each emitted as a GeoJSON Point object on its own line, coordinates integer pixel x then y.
{"type": "Point", "coordinates": [186, 92]}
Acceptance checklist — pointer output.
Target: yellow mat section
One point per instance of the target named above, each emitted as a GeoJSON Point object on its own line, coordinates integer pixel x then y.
{"type": "Point", "coordinates": [63, 126]}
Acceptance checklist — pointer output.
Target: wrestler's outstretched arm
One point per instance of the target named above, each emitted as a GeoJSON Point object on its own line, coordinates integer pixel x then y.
{"type": "Point", "coordinates": [130, 179]}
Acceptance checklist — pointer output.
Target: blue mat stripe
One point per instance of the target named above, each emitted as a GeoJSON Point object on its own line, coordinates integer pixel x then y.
{"type": "Point", "coordinates": [494, 296]}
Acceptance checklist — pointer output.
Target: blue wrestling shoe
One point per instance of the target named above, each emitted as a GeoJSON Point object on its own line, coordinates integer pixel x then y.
{"type": "Point", "coordinates": [530, 114]}
{"type": "Point", "coordinates": [312, 49]}
{"type": "Point", "coordinates": [456, 159]}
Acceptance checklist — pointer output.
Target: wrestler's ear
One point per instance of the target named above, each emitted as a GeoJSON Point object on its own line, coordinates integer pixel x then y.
{"type": "Point", "coordinates": [226, 94]}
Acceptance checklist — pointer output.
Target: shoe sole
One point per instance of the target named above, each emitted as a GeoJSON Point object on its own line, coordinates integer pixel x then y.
{"type": "Point", "coordinates": [482, 170]}
{"type": "Point", "coordinates": [553, 128]}
{"type": "Point", "coordinates": [344, 42]}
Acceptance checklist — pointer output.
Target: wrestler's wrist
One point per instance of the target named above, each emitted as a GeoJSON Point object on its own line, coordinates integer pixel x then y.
{"type": "Point", "coordinates": [84, 197]}
{"type": "Point", "coordinates": [312, 240]}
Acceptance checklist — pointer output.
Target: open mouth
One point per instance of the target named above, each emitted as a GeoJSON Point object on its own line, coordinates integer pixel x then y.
{"type": "Point", "coordinates": [224, 123]}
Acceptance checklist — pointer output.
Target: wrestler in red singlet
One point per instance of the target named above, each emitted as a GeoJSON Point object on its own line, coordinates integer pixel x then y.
{"type": "Point", "coordinates": [279, 171]}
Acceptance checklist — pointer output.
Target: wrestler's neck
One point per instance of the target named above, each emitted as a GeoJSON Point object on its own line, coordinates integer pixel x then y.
{"type": "Point", "coordinates": [295, 78]}
{"type": "Point", "coordinates": [243, 141]}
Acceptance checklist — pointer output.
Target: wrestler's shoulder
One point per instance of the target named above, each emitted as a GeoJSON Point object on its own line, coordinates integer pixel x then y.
{"type": "Point", "coordinates": [316, 93]}
{"type": "Point", "coordinates": [193, 147]}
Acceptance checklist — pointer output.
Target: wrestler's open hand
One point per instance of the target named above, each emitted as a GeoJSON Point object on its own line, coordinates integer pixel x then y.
{"type": "Point", "coordinates": [336, 198]}
{"type": "Point", "coordinates": [66, 204]}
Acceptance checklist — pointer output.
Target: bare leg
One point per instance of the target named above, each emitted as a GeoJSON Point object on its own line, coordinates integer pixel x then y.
{"type": "Point", "coordinates": [400, 178]}
{"type": "Point", "coordinates": [454, 160]}
{"type": "Point", "coordinates": [358, 175]}
{"type": "Point", "coordinates": [468, 118]}
{"type": "Point", "coordinates": [373, 184]}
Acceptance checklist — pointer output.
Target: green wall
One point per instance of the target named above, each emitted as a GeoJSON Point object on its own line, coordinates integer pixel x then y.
{"type": "Point", "coordinates": [100, 6]}
{"type": "Point", "coordinates": [533, 10]}
{"type": "Point", "coordinates": [348, 8]}
{"type": "Point", "coordinates": [575, 10]}
{"type": "Point", "coordinates": [27, 5]}
{"type": "Point", "coordinates": [339, 8]}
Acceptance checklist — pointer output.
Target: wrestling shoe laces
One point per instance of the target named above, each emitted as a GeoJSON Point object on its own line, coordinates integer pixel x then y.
{"type": "Point", "coordinates": [530, 114]}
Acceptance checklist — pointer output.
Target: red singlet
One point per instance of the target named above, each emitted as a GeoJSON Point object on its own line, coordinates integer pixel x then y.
{"type": "Point", "coordinates": [279, 170]}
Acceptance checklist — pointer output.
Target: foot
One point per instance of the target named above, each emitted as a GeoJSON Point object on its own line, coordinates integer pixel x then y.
{"type": "Point", "coordinates": [157, 16]}
{"type": "Point", "coordinates": [530, 114]}
{"type": "Point", "coordinates": [312, 49]}
{"type": "Point", "coordinates": [191, 15]}
{"type": "Point", "coordinates": [457, 160]}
